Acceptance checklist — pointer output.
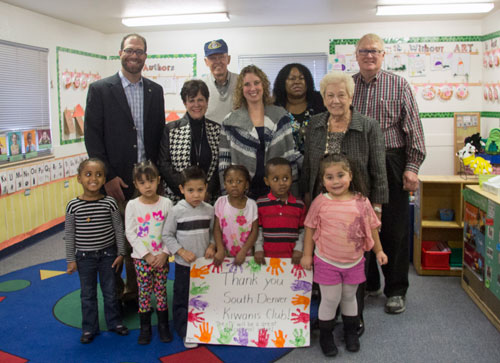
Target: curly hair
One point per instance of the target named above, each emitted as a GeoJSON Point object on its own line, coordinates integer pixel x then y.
{"type": "Point", "coordinates": [239, 100]}
{"type": "Point", "coordinates": [335, 77]}
{"type": "Point", "coordinates": [279, 89]}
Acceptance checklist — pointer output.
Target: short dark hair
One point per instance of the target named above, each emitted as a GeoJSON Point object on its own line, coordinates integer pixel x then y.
{"type": "Point", "coordinates": [279, 89]}
{"type": "Point", "coordinates": [91, 160]}
{"type": "Point", "coordinates": [193, 173]}
{"type": "Point", "coordinates": [241, 168]}
{"type": "Point", "coordinates": [134, 35]}
{"type": "Point", "coordinates": [275, 162]}
{"type": "Point", "coordinates": [145, 168]}
{"type": "Point", "coordinates": [192, 87]}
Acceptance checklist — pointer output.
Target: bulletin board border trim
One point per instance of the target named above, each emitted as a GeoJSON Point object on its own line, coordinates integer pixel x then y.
{"type": "Point", "coordinates": [72, 51]}
{"type": "Point", "coordinates": [452, 114]}
{"type": "Point", "coordinates": [461, 38]}
{"type": "Point", "coordinates": [161, 56]}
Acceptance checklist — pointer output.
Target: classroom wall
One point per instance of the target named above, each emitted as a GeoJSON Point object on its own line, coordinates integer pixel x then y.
{"type": "Point", "coordinates": [23, 26]}
{"type": "Point", "coordinates": [26, 27]}
{"type": "Point", "coordinates": [315, 38]}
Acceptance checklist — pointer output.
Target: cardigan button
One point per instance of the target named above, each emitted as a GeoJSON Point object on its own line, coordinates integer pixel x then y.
{"type": "Point", "coordinates": [135, 146]}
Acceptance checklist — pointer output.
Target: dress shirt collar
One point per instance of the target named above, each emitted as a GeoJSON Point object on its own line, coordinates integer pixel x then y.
{"type": "Point", "coordinates": [126, 82]}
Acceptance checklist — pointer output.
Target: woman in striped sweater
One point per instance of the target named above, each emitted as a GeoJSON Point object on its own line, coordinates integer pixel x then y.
{"type": "Point", "coordinates": [256, 131]}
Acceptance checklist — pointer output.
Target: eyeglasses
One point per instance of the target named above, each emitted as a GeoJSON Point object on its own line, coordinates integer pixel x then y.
{"type": "Point", "coordinates": [138, 52]}
{"type": "Point", "coordinates": [373, 52]}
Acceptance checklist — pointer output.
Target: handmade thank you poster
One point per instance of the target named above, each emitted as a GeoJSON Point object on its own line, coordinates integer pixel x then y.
{"type": "Point", "coordinates": [250, 305]}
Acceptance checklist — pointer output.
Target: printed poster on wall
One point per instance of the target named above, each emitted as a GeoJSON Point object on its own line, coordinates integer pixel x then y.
{"type": "Point", "coordinates": [249, 305]}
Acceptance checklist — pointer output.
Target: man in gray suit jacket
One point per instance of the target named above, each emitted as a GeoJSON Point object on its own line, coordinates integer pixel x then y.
{"type": "Point", "coordinates": [124, 121]}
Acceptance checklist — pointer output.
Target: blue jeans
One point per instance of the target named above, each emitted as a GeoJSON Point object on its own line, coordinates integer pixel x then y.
{"type": "Point", "coordinates": [91, 264]}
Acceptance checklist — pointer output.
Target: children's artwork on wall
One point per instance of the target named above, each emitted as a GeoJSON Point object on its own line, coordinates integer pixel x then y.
{"type": "Point", "coordinates": [441, 61]}
{"type": "Point", "coordinates": [462, 92]}
{"type": "Point", "coordinates": [431, 62]}
{"type": "Point", "coordinates": [44, 139]}
{"type": "Point", "coordinates": [445, 92]}
{"type": "Point", "coordinates": [170, 71]}
{"type": "Point", "coordinates": [75, 71]}
{"type": "Point", "coordinates": [396, 62]}
{"type": "Point", "coordinates": [29, 141]}
{"type": "Point", "coordinates": [428, 92]}
{"type": "Point", "coordinates": [339, 63]}
{"type": "Point", "coordinates": [461, 64]}
{"type": "Point", "coordinates": [265, 306]}
{"type": "Point", "coordinates": [416, 65]}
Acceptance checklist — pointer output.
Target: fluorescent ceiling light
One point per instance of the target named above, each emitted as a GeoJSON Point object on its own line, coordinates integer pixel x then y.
{"type": "Point", "coordinates": [461, 8]}
{"type": "Point", "coordinates": [176, 19]}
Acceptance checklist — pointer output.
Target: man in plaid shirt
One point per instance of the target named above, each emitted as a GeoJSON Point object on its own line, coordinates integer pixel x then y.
{"type": "Point", "coordinates": [388, 98]}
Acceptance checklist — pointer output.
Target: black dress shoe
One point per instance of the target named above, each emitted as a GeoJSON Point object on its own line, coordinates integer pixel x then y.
{"type": "Point", "coordinates": [86, 337]}
{"type": "Point", "coordinates": [120, 330]}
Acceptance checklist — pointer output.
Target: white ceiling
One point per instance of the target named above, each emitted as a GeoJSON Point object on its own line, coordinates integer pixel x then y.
{"type": "Point", "coordinates": [105, 15]}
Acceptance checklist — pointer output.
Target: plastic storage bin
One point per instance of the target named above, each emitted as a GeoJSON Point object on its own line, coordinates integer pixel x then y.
{"type": "Point", "coordinates": [446, 214]}
{"type": "Point", "coordinates": [435, 255]}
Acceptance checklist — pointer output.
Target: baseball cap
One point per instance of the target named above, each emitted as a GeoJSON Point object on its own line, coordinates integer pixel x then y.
{"type": "Point", "coordinates": [215, 47]}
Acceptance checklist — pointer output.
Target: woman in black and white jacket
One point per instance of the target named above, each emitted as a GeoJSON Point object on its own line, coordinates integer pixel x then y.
{"type": "Point", "coordinates": [191, 140]}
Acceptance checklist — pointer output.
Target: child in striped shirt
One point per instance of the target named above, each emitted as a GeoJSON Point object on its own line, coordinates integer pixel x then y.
{"type": "Point", "coordinates": [187, 233]}
{"type": "Point", "coordinates": [95, 246]}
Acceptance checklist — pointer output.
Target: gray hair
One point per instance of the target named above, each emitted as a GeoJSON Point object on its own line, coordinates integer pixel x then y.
{"type": "Point", "coordinates": [371, 38]}
{"type": "Point", "coordinates": [335, 77]}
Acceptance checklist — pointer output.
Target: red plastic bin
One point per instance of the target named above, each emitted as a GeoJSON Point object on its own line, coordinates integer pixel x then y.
{"type": "Point", "coordinates": [435, 255]}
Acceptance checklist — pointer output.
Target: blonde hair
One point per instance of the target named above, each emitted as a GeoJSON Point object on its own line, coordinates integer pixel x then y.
{"type": "Point", "coordinates": [335, 77]}
{"type": "Point", "coordinates": [239, 100]}
{"type": "Point", "coordinates": [371, 38]}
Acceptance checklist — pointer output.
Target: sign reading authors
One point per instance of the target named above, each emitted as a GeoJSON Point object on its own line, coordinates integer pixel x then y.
{"type": "Point", "coordinates": [251, 305]}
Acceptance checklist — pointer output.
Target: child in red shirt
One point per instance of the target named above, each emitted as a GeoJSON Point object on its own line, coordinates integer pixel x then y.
{"type": "Point", "coordinates": [281, 216]}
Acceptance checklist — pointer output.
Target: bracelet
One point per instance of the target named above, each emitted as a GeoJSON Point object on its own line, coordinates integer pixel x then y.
{"type": "Point", "coordinates": [377, 209]}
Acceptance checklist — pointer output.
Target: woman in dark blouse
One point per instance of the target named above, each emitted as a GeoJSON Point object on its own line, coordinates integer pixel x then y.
{"type": "Point", "coordinates": [294, 91]}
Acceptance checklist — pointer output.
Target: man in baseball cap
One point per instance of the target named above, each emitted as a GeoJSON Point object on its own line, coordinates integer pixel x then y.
{"type": "Point", "coordinates": [221, 83]}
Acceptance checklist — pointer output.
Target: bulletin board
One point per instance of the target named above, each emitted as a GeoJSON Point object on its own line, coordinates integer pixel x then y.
{"type": "Point", "coordinates": [445, 72]}
{"type": "Point", "coordinates": [170, 71]}
{"type": "Point", "coordinates": [77, 69]}
{"type": "Point", "coordinates": [464, 124]}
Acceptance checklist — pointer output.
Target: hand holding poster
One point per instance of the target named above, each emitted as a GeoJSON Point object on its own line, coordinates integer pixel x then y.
{"type": "Point", "coordinates": [254, 305]}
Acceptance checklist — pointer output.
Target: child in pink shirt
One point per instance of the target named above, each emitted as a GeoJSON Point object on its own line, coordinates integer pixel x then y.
{"type": "Point", "coordinates": [236, 222]}
{"type": "Point", "coordinates": [342, 224]}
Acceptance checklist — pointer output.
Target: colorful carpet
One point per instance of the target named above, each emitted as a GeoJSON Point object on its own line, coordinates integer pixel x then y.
{"type": "Point", "coordinates": [40, 322]}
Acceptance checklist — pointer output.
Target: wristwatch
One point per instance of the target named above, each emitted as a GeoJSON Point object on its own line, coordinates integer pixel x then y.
{"type": "Point", "coordinates": [377, 209]}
